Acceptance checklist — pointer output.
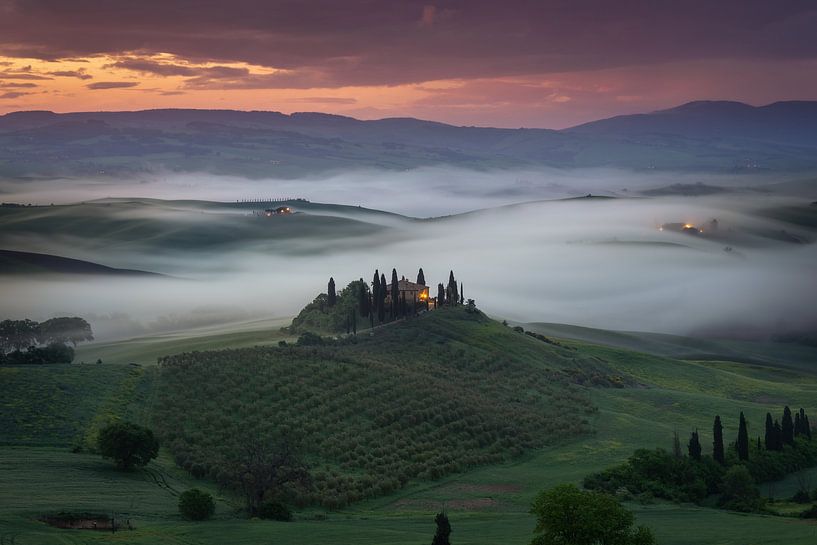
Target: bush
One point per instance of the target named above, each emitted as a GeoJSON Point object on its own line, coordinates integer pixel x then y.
{"type": "Point", "coordinates": [810, 513]}
{"type": "Point", "coordinates": [195, 504]}
{"type": "Point", "coordinates": [274, 510]}
{"type": "Point", "coordinates": [129, 445]}
{"type": "Point", "coordinates": [801, 496]}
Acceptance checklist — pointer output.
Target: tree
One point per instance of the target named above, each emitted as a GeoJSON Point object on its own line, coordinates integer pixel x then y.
{"type": "Point", "coordinates": [195, 504]}
{"type": "Point", "coordinates": [440, 295]}
{"type": "Point", "coordinates": [694, 446]}
{"type": "Point", "coordinates": [262, 470]}
{"type": "Point", "coordinates": [567, 515]}
{"type": "Point", "coordinates": [381, 300]}
{"type": "Point", "coordinates": [806, 426]}
{"type": "Point", "coordinates": [363, 299]}
{"type": "Point", "coordinates": [421, 278]}
{"type": "Point", "coordinates": [65, 330]}
{"type": "Point", "coordinates": [462, 297]}
{"type": "Point", "coordinates": [778, 436]}
{"type": "Point", "coordinates": [395, 294]}
{"type": "Point", "coordinates": [743, 439]}
{"type": "Point", "coordinates": [676, 445]}
{"type": "Point", "coordinates": [739, 491]}
{"type": "Point", "coordinates": [717, 442]}
{"type": "Point", "coordinates": [787, 426]}
{"type": "Point", "coordinates": [769, 437]}
{"type": "Point", "coordinates": [128, 444]}
{"type": "Point", "coordinates": [18, 334]}
{"type": "Point", "coordinates": [331, 296]}
{"type": "Point", "coordinates": [443, 529]}
{"type": "Point", "coordinates": [453, 297]}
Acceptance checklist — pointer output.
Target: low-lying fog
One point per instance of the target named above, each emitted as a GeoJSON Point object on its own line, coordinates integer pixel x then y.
{"type": "Point", "coordinates": [600, 263]}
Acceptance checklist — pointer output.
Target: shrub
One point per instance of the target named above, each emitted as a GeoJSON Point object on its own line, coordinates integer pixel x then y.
{"type": "Point", "coordinates": [801, 496]}
{"type": "Point", "coordinates": [810, 513]}
{"type": "Point", "coordinates": [740, 492]}
{"type": "Point", "coordinates": [274, 510]}
{"type": "Point", "coordinates": [129, 445]}
{"type": "Point", "coordinates": [195, 504]}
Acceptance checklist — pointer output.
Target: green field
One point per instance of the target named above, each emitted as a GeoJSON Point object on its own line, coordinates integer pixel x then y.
{"type": "Point", "coordinates": [487, 504]}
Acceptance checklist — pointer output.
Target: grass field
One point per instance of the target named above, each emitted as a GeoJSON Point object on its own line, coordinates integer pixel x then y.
{"type": "Point", "coordinates": [487, 504]}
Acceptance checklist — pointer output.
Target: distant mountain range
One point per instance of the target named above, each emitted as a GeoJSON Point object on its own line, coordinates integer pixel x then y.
{"type": "Point", "coordinates": [699, 136]}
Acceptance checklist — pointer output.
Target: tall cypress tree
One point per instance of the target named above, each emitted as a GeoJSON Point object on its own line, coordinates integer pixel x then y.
{"type": "Point", "coordinates": [363, 298]}
{"type": "Point", "coordinates": [769, 439]}
{"type": "Point", "coordinates": [743, 439]}
{"type": "Point", "coordinates": [806, 426]}
{"type": "Point", "coordinates": [395, 294]}
{"type": "Point", "coordinates": [440, 295]}
{"type": "Point", "coordinates": [421, 278]}
{"type": "Point", "coordinates": [376, 287]}
{"type": "Point", "coordinates": [799, 422]}
{"type": "Point", "coordinates": [694, 446]}
{"type": "Point", "coordinates": [331, 296]}
{"type": "Point", "coordinates": [441, 536]}
{"type": "Point", "coordinates": [787, 426]}
{"type": "Point", "coordinates": [453, 297]}
{"type": "Point", "coordinates": [797, 426]}
{"type": "Point", "coordinates": [717, 442]}
{"type": "Point", "coordinates": [381, 300]}
{"type": "Point", "coordinates": [778, 436]}
{"type": "Point", "coordinates": [676, 445]}
{"type": "Point", "coordinates": [462, 297]}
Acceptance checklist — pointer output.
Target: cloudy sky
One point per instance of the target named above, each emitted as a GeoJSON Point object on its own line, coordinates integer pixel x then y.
{"type": "Point", "coordinates": [532, 63]}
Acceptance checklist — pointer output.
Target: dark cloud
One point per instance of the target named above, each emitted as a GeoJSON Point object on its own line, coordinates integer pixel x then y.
{"type": "Point", "coordinates": [12, 94]}
{"type": "Point", "coordinates": [112, 85]}
{"type": "Point", "coordinates": [324, 100]}
{"type": "Point", "coordinates": [389, 42]}
{"type": "Point", "coordinates": [16, 85]}
{"type": "Point", "coordinates": [80, 74]}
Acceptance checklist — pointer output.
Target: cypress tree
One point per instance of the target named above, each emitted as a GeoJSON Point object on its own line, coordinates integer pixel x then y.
{"type": "Point", "coordinates": [778, 436]}
{"type": "Point", "coordinates": [770, 439]}
{"type": "Point", "coordinates": [743, 439]}
{"type": "Point", "coordinates": [797, 426]}
{"type": "Point", "coordinates": [363, 299]}
{"type": "Point", "coordinates": [717, 442]}
{"type": "Point", "coordinates": [421, 278]}
{"type": "Point", "coordinates": [806, 426]}
{"type": "Point", "coordinates": [440, 295]}
{"type": "Point", "coordinates": [332, 297]}
{"type": "Point", "coordinates": [758, 443]}
{"type": "Point", "coordinates": [787, 427]}
{"type": "Point", "coordinates": [395, 294]}
{"type": "Point", "coordinates": [381, 300]}
{"type": "Point", "coordinates": [676, 445]}
{"type": "Point", "coordinates": [441, 536]}
{"type": "Point", "coordinates": [694, 446]}
{"type": "Point", "coordinates": [453, 296]}
{"type": "Point", "coordinates": [462, 297]}
{"type": "Point", "coordinates": [799, 422]}
{"type": "Point", "coordinates": [376, 287]}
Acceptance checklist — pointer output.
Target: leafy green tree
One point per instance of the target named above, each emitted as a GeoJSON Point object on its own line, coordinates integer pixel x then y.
{"type": "Point", "coordinates": [65, 330]}
{"type": "Point", "coordinates": [195, 504]}
{"type": "Point", "coordinates": [421, 278]}
{"type": "Point", "coordinates": [441, 536]}
{"type": "Point", "coordinates": [717, 441]}
{"type": "Point", "coordinates": [331, 296]}
{"type": "Point", "coordinates": [18, 334]}
{"type": "Point", "coordinates": [567, 515]}
{"type": "Point", "coordinates": [739, 491]}
{"type": "Point", "coordinates": [262, 469]}
{"type": "Point", "coordinates": [128, 444]}
{"type": "Point", "coordinates": [694, 446]}
{"type": "Point", "coordinates": [787, 426]}
{"type": "Point", "coordinates": [742, 444]}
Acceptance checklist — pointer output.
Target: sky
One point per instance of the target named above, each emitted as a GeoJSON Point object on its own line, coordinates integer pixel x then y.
{"type": "Point", "coordinates": [515, 63]}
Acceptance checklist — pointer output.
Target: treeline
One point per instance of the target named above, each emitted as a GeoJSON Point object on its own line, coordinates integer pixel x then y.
{"type": "Point", "coordinates": [360, 305]}
{"type": "Point", "coordinates": [732, 473]}
{"type": "Point", "coordinates": [29, 342]}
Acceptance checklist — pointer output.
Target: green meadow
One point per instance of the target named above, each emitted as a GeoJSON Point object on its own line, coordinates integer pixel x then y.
{"type": "Point", "coordinates": [45, 411]}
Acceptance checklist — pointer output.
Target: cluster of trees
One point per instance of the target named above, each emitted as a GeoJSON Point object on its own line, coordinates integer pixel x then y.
{"type": "Point", "coordinates": [127, 444]}
{"type": "Point", "coordinates": [358, 303]}
{"type": "Point", "coordinates": [370, 415]}
{"type": "Point", "coordinates": [29, 342]}
{"type": "Point", "coordinates": [732, 473]}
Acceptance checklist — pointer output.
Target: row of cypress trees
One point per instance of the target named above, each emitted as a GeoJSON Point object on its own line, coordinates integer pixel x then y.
{"type": "Point", "coordinates": [372, 302]}
{"type": "Point", "coordinates": [777, 435]}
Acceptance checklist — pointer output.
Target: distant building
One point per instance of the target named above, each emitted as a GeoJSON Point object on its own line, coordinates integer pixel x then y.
{"type": "Point", "coordinates": [411, 291]}
{"type": "Point", "coordinates": [280, 211]}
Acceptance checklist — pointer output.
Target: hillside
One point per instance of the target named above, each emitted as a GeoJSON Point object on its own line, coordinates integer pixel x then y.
{"type": "Point", "coordinates": [474, 370]}
{"type": "Point", "coordinates": [12, 262]}
{"type": "Point", "coordinates": [718, 136]}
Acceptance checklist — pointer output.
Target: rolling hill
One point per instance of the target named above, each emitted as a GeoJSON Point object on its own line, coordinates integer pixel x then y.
{"type": "Point", "coordinates": [12, 262]}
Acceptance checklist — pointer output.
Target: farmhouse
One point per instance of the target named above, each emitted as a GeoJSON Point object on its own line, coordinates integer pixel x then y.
{"type": "Point", "coordinates": [280, 211]}
{"type": "Point", "coordinates": [408, 290]}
